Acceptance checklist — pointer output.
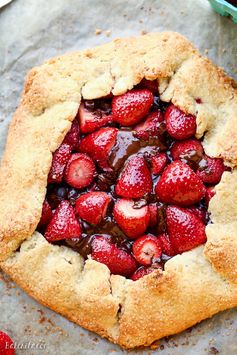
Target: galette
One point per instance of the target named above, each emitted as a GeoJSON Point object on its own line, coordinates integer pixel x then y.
{"type": "Point", "coordinates": [118, 204]}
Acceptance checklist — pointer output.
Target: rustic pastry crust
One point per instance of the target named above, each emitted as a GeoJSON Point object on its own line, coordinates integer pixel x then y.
{"type": "Point", "coordinates": [194, 285]}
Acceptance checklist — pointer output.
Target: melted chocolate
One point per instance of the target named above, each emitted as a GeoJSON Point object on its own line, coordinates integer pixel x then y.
{"type": "Point", "coordinates": [99, 107]}
{"type": "Point", "coordinates": [126, 145]}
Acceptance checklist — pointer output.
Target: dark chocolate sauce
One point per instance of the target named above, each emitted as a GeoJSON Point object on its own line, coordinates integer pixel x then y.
{"type": "Point", "coordinates": [126, 145]}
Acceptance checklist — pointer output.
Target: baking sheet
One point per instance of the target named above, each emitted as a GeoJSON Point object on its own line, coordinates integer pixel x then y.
{"type": "Point", "coordinates": [31, 31]}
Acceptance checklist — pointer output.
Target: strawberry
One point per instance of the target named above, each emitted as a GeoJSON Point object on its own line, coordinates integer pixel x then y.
{"type": "Point", "coordinates": [90, 120]}
{"type": "Point", "coordinates": [147, 249]}
{"type": "Point", "coordinates": [212, 172]}
{"type": "Point", "coordinates": [188, 149]}
{"type": "Point", "coordinates": [151, 85]}
{"type": "Point", "coordinates": [128, 109]}
{"type": "Point", "coordinates": [210, 192]}
{"type": "Point", "coordinates": [92, 206]}
{"type": "Point", "coordinates": [73, 136]}
{"type": "Point", "coordinates": [151, 127]}
{"type": "Point", "coordinates": [117, 260]}
{"type": "Point", "coordinates": [64, 224]}
{"type": "Point", "coordinates": [179, 125]}
{"type": "Point", "coordinates": [135, 179]}
{"type": "Point", "coordinates": [99, 144]}
{"type": "Point", "coordinates": [133, 221]}
{"type": "Point", "coordinates": [153, 214]}
{"type": "Point", "coordinates": [180, 185]}
{"type": "Point", "coordinates": [158, 163]}
{"type": "Point", "coordinates": [80, 171]}
{"type": "Point", "coordinates": [60, 159]}
{"type": "Point", "coordinates": [142, 271]}
{"type": "Point", "coordinates": [6, 345]}
{"type": "Point", "coordinates": [166, 246]}
{"type": "Point", "coordinates": [186, 231]}
{"type": "Point", "coordinates": [46, 215]}
{"type": "Point", "coordinates": [200, 212]}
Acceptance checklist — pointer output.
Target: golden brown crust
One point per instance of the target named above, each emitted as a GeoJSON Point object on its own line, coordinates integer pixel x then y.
{"type": "Point", "coordinates": [193, 286]}
{"type": "Point", "coordinates": [128, 313]}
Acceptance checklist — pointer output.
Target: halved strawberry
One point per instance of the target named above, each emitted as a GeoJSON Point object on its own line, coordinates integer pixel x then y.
{"type": "Point", "coordinates": [90, 120]}
{"type": "Point", "coordinates": [147, 249]}
{"type": "Point", "coordinates": [158, 163]}
{"type": "Point", "coordinates": [117, 260]}
{"type": "Point", "coordinates": [135, 179]}
{"type": "Point", "coordinates": [180, 185]}
{"type": "Point", "coordinates": [210, 192]}
{"type": "Point", "coordinates": [60, 159]}
{"type": "Point", "coordinates": [6, 345]}
{"type": "Point", "coordinates": [166, 246]}
{"type": "Point", "coordinates": [92, 206]}
{"type": "Point", "coordinates": [212, 172]}
{"type": "Point", "coordinates": [64, 224]}
{"type": "Point", "coordinates": [151, 127]}
{"type": "Point", "coordinates": [151, 85]}
{"type": "Point", "coordinates": [99, 144]}
{"type": "Point", "coordinates": [73, 136]}
{"type": "Point", "coordinates": [80, 171]}
{"type": "Point", "coordinates": [187, 149]}
{"type": "Point", "coordinates": [46, 215]}
{"type": "Point", "coordinates": [133, 221]}
{"type": "Point", "coordinates": [179, 124]}
{"type": "Point", "coordinates": [153, 214]}
{"type": "Point", "coordinates": [143, 271]}
{"type": "Point", "coordinates": [186, 231]}
{"type": "Point", "coordinates": [128, 109]}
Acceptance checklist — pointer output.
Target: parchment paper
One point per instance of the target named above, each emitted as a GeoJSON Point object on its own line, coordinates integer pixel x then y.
{"type": "Point", "coordinates": [31, 31]}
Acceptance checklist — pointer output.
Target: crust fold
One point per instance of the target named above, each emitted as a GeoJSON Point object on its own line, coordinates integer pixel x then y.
{"type": "Point", "coordinates": [193, 286]}
{"type": "Point", "coordinates": [188, 291]}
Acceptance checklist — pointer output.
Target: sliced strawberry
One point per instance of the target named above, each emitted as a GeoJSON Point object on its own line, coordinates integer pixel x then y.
{"type": "Point", "coordinates": [151, 127]}
{"type": "Point", "coordinates": [158, 163]}
{"type": "Point", "coordinates": [90, 120]}
{"type": "Point", "coordinates": [143, 271]}
{"type": "Point", "coordinates": [210, 192]}
{"type": "Point", "coordinates": [6, 345]}
{"type": "Point", "coordinates": [200, 212]}
{"type": "Point", "coordinates": [46, 215]}
{"type": "Point", "coordinates": [128, 109]}
{"type": "Point", "coordinates": [64, 224]}
{"type": "Point", "coordinates": [99, 144]}
{"type": "Point", "coordinates": [92, 206]}
{"type": "Point", "coordinates": [135, 179]}
{"type": "Point", "coordinates": [117, 260]}
{"type": "Point", "coordinates": [151, 85]}
{"type": "Point", "coordinates": [212, 171]}
{"type": "Point", "coordinates": [147, 249]}
{"type": "Point", "coordinates": [166, 246]}
{"type": "Point", "coordinates": [73, 136]}
{"type": "Point", "coordinates": [179, 125]}
{"type": "Point", "coordinates": [186, 231]}
{"type": "Point", "coordinates": [60, 159]}
{"type": "Point", "coordinates": [153, 214]}
{"type": "Point", "coordinates": [133, 221]}
{"type": "Point", "coordinates": [188, 149]}
{"type": "Point", "coordinates": [80, 171]}
{"type": "Point", "coordinates": [180, 185]}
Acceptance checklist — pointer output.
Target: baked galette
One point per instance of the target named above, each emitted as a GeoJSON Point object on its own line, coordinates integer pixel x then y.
{"type": "Point", "coordinates": [118, 204]}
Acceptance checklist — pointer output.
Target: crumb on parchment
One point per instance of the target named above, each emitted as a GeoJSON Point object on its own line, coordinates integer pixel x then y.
{"type": "Point", "coordinates": [98, 31]}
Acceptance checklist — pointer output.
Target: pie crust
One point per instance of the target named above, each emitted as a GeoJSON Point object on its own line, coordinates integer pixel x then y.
{"type": "Point", "coordinates": [194, 285]}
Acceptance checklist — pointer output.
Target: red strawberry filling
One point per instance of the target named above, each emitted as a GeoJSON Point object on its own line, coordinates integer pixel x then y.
{"type": "Point", "coordinates": [130, 184]}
